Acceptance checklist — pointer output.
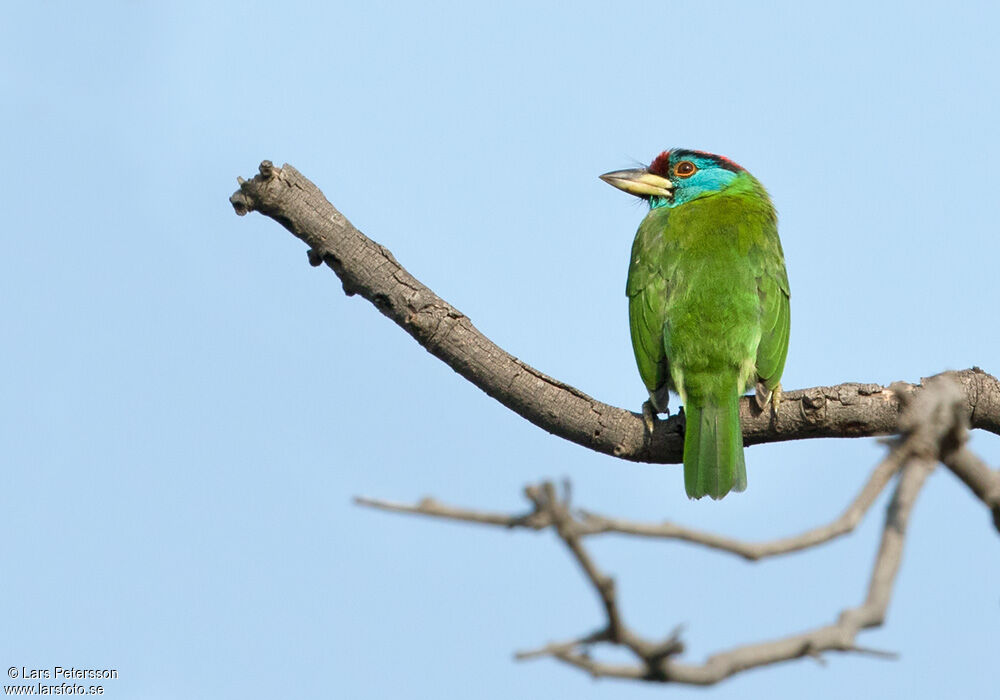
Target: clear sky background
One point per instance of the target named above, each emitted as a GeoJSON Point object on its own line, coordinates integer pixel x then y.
{"type": "Point", "coordinates": [187, 408]}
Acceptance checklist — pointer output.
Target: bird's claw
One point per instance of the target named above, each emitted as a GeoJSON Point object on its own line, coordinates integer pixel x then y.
{"type": "Point", "coordinates": [649, 416]}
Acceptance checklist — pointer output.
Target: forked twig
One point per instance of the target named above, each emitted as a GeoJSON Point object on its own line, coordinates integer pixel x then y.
{"type": "Point", "coordinates": [933, 424]}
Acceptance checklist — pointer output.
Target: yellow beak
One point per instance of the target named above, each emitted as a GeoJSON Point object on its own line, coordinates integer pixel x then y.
{"type": "Point", "coordinates": [640, 182]}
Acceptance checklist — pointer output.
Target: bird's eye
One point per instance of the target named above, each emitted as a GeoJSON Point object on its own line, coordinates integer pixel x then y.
{"type": "Point", "coordinates": [684, 169]}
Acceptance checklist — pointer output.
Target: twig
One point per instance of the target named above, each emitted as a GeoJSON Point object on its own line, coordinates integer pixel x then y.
{"type": "Point", "coordinates": [587, 523]}
{"type": "Point", "coordinates": [933, 422]}
{"type": "Point", "coordinates": [754, 551]}
{"type": "Point", "coordinates": [369, 269]}
{"type": "Point", "coordinates": [950, 416]}
{"type": "Point", "coordinates": [983, 481]}
{"type": "Point", "coordinates": [428, 506]}
{"type": "Point", "coordinates": [839, 636]}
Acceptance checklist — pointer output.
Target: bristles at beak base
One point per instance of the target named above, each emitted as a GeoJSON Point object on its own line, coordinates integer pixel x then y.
{"type": "Point", "coordinates": [640, 182]}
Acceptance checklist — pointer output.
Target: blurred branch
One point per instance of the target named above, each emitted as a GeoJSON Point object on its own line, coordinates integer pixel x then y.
{"type": "Point", "coordinates": [933, 428]}
{"type": "Point", "coordinates": [586, 523]}
{"type": "Point", "coordinates": [983, 481]}
{"type": "Point", "coordinates": [950, 415]}
{"type": "Point", "coordinates": [754, 551]}
{"type": "Point", "coordinates": [369, 270]}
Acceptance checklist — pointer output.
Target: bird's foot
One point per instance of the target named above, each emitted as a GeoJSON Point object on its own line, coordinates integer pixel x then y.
{"type": "Point", "coordinates": [776, 399]}
{"type": "Point", "coordinates": [649, 416]}
{"type": "Point", "coordinates": [765, 397]}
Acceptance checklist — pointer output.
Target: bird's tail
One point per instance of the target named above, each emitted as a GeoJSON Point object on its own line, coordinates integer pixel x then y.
{"type": "Point", "coordinates": [713, 449]}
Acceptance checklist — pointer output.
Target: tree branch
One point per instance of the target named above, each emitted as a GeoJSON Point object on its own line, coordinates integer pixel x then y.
{"type": "Point", "coordinates": [587, 523]}
{"type": "Point", "coordinates": [983, 481]}
{"type": "Point", "coordinates": [369, 269]}
{"type": "Point", "coordinates": [655, 657]}
{"type": "Point", "coordinates": [933, 428]}
{"type": "Point", "coordinates": [755, 551]}
{"type": "Point", "coordinates": [950, 418]}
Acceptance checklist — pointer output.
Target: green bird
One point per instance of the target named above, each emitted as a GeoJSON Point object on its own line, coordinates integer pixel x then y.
{"type": "Point", "coordinates": [708, 304]}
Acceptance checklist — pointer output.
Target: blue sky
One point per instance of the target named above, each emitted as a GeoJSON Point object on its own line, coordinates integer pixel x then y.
{"type": "Point", "coordinates": [188, 407]}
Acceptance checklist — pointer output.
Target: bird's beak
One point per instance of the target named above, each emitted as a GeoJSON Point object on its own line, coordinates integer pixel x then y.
{"type": "Point", "coordinates": [640, 182]}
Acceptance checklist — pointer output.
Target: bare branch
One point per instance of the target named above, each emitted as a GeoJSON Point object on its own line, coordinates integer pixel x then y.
{"type": "Point", "coordinates": [949, 413]}
{"type": "Point", "coordinates": [754, 551]}
{"type": "Point", "coordinates": [983, 481]}
{"type": "Point", "coordinates": [428, 506]}
{"type": "Point", "coordinates": [659, 665]}
{"type": "Point", "coordinates": [555, 648]}
{"type": "Point", "coordinates": [652, 654]}
{"type": "Point", "coordinates": [839, 636]}
{"type": "Point", "coordinates": [599, 669]}
{"type": "Point", "coordinates": [587, 523]}
{"type": "Point", "coordinates": [549, 511]}
{"type": "Point", "coordinates": [933, 424]}
{"type": "Point", "coordinates": [369, 269]}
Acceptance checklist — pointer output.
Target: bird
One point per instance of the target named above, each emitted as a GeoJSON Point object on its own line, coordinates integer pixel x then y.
{"type": "Point", "coordinates": [709, 305]}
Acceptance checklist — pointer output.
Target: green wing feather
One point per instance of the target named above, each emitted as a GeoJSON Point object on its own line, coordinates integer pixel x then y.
{"type": "Point", "coordinates": [650, 269]}
{"type": "Point", "coordinates": [768, 261]}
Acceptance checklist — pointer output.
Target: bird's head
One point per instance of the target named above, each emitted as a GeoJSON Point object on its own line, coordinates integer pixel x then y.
{"type": "Point", "coordinates": [677, 176]}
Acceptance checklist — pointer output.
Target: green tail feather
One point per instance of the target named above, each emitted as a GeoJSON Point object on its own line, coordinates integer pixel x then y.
{"type": "Point", "coordinates": [713, 450]}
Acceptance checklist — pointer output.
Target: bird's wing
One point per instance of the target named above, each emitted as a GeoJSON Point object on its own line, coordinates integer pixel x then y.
{"type": "Point", "coordinates": [650, 270]}
{"type": "Point", "coordinates": [772, 287]}
{"type": "Point", "coordinates": [646, 317]}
